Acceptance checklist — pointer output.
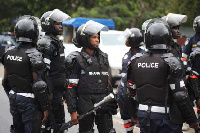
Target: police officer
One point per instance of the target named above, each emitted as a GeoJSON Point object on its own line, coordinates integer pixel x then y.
{"type": "Point", "coordinates": [53, 52]}
{"type": "Point", "coordinates": [156, 79]}
{"type": "Point", "coordinates": [174, 21]}
{"type": "Point", "coordinates": [134, 39]}
{"type": "Point", "coordinates": [23, 66]}
{"type": "Point", "coordinates": [192, 42]}
{"type": "Point", "coordinates": [88, 81]}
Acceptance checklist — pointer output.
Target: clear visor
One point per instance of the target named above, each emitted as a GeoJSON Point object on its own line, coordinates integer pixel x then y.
{"type": "Point", "coordinates": [91, 28]}
{"type": "Point", "coordinates": [144, 25]}
{"type": "Point", "coordinates": [58, 15]}
{"type": "Point", "coordinates": [180, 18]}
{"type": "Point", "coordinates": [126, 34]}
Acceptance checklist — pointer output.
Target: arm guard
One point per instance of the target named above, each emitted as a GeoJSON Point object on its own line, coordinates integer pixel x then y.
{"type": "Point", "coordinates": [71, 96]}
{"type": "Point", "coordinates": [183, 102]}
{"type": "Point", "coordinates": [194, 82]}
{"type": "Point", "coordinates": [176, 67]}
{"type": "Point", "coordinates": [39, 89]}
{"type": "Point", "coordinates": [5, 85]}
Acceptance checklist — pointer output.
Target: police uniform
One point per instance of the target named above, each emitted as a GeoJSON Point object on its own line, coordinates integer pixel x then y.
{"type": "Point", "coordinates": [53, 53]}
{"type": "Point", "coordinates": [123, 111]}
{"type": "Point", "coordinates": [156, 78]}
{"type": "Point", "coordinates": [20, 62]}
{"type": "Point", "coordinates": [190, 45]}
{"type": "Point", "coordinates": [88, 81]}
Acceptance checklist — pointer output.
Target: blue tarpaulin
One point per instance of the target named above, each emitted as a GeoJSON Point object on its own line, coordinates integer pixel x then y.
{"type": "Point", "coordinates": [76, 22]}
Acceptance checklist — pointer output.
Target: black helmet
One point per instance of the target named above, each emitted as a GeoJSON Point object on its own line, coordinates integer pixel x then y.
{"type": "Point", "coordinates": [48, 19]}
{"type": "Point", "coordinates": [175, 20]}
{"type": "Point", "coordinates": [26, 29]}
{"type": "Point", "coordinates": [158, 35]}
{"type": "Point", "coordinates": [85, 31]}
{"type": "Point", "coordinates": [196, 24]}
{"type": "Point", "coordinates": [134, 36]}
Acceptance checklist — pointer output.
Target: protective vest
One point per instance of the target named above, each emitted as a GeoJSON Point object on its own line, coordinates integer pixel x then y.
{"type": "Point", "coordinates": [150, 73]}
{"type": "Point", "coordinates": [94, 73]}
{"type": "Point", "coordinates": [19, 71]}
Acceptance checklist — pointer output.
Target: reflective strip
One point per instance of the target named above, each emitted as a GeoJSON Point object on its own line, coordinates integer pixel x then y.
{"type": "Point", "coordinates": [184, 59]}
{"type": "Point", "coordinates": [184, 55]}
{"type": "Point", "coordinates": [73, 81]}
{"type": "Point", "coordinates": [156, 109]}
{"type": "Point", "coordinates": [47, 61]}
{"type": "Point", "coordinates": [122, 83]}
{"type": "Point", "coordinates": [172, 86]}
{"type": "Point", "coordinates": [184, 63]}
{"type": "Point", "coordinates": [134, 86]}
{"type": "Point", "coordinates": [63, 54]}
{"type": "Point", "coordinates": [123, 74]}
{"type": "Point", "coordinates": [182, 84]}
{"type": "Point", "coordinates": [31, 95]}
{"type": "Point", "coordinates": [128, 125]}
{"type": "Point", "coordinates": [193, 77]}
{"type": "Point", "coordinates": [127, 121]}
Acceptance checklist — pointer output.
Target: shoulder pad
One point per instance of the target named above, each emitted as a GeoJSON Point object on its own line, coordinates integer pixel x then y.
{"type": "Point", "coordinates": [43, 44]}
{"type": "Point", "coordinates": [138, 55]}
{"type": "Point", "coordinates": [187, 40]}
{"type": "Point", "coordinates": [36, 59]}
{"type": "Point", "coordinates": [194, 53]}
{"type": "Point", "coordinates": [176, 66]}
{"type": "Point", "coordinates": [10, 48]}
{"type": "Point", "coordinates": [69, 59]}
{"type": "Point", "coordinates": [105, 55]}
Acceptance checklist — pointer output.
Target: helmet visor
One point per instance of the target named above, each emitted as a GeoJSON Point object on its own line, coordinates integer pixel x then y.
{"type": "Point", "coordinates": [59, 16]}
{"type": "Point", "coordinates": [91, 28]}
{"type": "Point", "coordinates": [126, 34]}
{"type": "Point", "coordinates": [178, 17]}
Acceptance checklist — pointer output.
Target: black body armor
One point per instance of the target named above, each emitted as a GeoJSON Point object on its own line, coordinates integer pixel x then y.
{"type": "Point", "coordinates": [95, 76]}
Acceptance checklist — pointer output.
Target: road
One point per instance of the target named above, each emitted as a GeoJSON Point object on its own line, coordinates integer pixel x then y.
{"type": "Point", "coordinates": [6, 119]}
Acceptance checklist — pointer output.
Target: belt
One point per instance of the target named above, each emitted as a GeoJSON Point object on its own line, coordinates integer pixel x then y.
{"type": "Point", "coordinates": [156, 109]}
{"type": "Point", "coordinates": [31, 95]}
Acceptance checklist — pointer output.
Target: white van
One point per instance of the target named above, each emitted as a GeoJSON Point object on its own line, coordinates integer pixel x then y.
{"type": "Point", "coordinates": [115, 48]}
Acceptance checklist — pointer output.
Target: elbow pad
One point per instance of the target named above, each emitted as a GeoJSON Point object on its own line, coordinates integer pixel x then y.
{"type": "Point", "coordinates": [183, 102]}
{"type": "Point", "coordinates": [6, 86]}
{"type": "Point", "coordinates": [40, 90]}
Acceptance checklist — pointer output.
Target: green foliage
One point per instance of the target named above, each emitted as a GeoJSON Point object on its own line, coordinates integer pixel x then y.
{"type": "Point", "coordinates": [125, 13]}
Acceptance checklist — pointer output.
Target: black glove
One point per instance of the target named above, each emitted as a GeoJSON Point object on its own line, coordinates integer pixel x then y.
{"type": "Point", "coordinates": [112, 107]}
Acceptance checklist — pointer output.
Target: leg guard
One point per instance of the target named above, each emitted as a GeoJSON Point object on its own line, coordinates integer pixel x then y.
{"type": "Point", "coordinates": [104, 122]}
{"type": "Point", "coordinates": [58, 108]}
{"type": "Point", "coordinates": [184, 105]}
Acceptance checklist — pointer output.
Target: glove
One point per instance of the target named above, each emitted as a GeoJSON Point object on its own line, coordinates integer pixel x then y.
{"type": "Point", "coordinates": [112, 107]}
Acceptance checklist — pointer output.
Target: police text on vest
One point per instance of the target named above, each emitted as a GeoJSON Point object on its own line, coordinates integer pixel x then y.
{"type": "Point", "coordinates": [148, 65]}
{"type": "Point", "coordinates": [15, 58]}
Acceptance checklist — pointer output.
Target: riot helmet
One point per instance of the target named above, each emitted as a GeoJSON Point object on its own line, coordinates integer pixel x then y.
{"type": "Point", "coordinates": [158, 34]}
{"type": "Point", "coordinates": [134, 37]}
{"type": "Point", "coordinates": [175, 20]}
{"type": "Point", "coordinates": [196, 24]}
{"type": "Point", "coordinates": [85, 31]}
{"type": "Point", "coordinates": [26, 29]}
{"type": "Point", "coordinates": [49, 18]}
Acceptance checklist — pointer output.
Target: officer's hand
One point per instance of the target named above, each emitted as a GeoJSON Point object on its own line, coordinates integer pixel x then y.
{"type": "Point", "coordinates": [74, 118]}
{"type": "Point", "coordinates": [198, 103]}
{"type": "Point", "coordinates": [194, 126]}
{"type": "Point", "coordinates": [45, 113]}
